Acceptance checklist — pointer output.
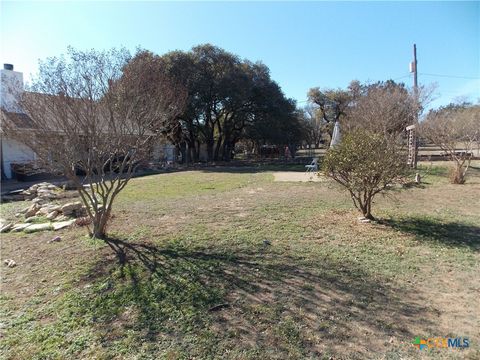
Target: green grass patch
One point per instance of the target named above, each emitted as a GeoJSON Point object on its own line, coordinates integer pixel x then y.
{"type": "Point", "coordinates": [231, 265]}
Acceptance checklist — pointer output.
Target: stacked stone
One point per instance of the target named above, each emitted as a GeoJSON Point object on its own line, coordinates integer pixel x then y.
{"type": "Point", "coordinates": [57, 216]}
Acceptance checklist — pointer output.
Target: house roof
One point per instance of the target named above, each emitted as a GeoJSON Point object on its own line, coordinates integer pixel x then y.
{"type": "Point", "coordinates": [55, 123]}
{"type": "Point", "coordinates": [18, 120]}
{"type": "Point", "coordinates": [22, 121]}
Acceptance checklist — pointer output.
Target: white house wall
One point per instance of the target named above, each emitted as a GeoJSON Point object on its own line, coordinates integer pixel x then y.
{"type": "Point", "coordinates": [14, 152]}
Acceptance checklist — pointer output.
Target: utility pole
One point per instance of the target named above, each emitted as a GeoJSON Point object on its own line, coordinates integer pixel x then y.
{"type": "Point", "coordinates": [412, 136]}
{"type": "Point", "coordinates": [415, 79]}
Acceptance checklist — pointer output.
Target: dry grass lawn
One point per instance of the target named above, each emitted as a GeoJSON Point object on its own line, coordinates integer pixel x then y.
{"type": "Point", "coordinates": [232, 265]}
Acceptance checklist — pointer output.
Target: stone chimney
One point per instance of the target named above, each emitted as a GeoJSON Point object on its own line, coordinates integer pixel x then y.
{"type": "Point", "coordinates": [11, 88]}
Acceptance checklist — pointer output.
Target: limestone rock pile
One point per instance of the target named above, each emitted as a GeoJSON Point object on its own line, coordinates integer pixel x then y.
{"type": "Point", "coordinates": [44, 211]}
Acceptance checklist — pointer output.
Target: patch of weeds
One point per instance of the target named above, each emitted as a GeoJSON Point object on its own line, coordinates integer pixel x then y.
{"type": "Point", "coordinates": [39, 220]}
{"type": "Point", "coordinates": [9, 209]}
{"type": "Point", "coordinates": [290, 331]}
{"type": "Point", "coordinates": [433, 170]}
{"type": "Point", "coordinates": [324, 326]}
{"type": "Point", "coordinates": [308, 287]}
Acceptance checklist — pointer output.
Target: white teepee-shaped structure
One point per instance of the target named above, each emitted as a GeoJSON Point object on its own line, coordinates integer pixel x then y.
{"type": "Point", "coordinates": [336, 136]}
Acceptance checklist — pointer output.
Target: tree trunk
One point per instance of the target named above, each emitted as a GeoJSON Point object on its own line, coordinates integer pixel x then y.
{"type": "Point", "coordinates": [196, 151]}
{"type": "Point", "coordinates": [209, 151]}
{"type": "Point", "coordinates": [100, 224]}
{"type": "Point", "coordinates": [217, 148]}
{"type": "Point", "coordinates": [183, 151]}
{"type": "Point", "coordinates": [209, 133]}
{"type": "Point", "coordinates": [458, 176]}
{"type": "Point", "coordinates": [191, 152]}
{"type": "Point", "coordinates": [293, 149]}
{"type": "Point", "coordinates": [367, 209]}
{"type": "Point", "coordinates": [231, 149]}
{"type": "Point", "coordinates": [227, 151]}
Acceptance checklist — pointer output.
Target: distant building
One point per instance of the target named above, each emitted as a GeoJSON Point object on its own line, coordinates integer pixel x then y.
{"type": "Point", "coordinates": [11, 151]}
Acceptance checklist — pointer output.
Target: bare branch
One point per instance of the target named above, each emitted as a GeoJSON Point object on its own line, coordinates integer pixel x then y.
{"type": "Point", "coordinates": [96, 115]}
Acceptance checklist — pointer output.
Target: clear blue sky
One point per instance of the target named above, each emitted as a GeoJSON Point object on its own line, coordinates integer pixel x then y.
{"type": "Point", "coordinates": [305, 44]}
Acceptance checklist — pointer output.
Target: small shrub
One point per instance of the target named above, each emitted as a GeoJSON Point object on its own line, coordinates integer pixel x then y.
{"type": "Point", "coordinates": [454, 129]}
{"type": "Point", "coordinates": [366, 164]}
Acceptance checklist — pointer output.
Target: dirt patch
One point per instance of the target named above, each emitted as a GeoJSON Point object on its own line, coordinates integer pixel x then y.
{"type": "Point", "coordinates": [294, 176]}
{"type": "Point", "coordinates": [42, 267]}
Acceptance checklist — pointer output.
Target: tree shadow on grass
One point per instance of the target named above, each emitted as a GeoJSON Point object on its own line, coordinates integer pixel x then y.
{"type": "Point", "coordinates": [202, 302]}
{"type": "Point", "coordinates": [452, 234]}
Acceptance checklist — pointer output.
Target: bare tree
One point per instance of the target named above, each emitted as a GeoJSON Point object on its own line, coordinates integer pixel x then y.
{"type": "Point", "coordinates": [97, 115]}
{"type": "Point", "coordinates": [315, 125]}
{"type": "Point", "coordinates": [456, 130]}
{"type": "Point", "coordinates": [384, 107]}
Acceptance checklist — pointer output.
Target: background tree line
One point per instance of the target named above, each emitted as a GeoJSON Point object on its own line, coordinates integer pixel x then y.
{"type": "Point", "coordinates": [385, 106]}
{"type": "Point", "coordinates": [228, 100]}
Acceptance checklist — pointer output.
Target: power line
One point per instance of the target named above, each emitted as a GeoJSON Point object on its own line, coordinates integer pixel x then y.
{"type": "Point", "coordinates": [451, 76]}
{"type": "Point", "coordinates": [455, 92]}
{"type": "Point", "coordinates": [401, 77]}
